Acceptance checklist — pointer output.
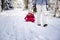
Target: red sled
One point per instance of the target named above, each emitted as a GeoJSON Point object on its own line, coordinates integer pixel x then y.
{"type": "Point", "coordinates": [30, 17]}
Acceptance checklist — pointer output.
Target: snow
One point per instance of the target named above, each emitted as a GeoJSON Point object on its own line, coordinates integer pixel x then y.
{"type": "Point", "coordinates": [14, 27]}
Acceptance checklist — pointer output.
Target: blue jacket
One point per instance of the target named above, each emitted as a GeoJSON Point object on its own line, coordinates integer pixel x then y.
{"type": "Point", "coordinates": [40, 2]}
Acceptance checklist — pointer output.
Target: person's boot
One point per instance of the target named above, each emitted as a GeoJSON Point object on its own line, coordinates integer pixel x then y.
{"type": "Point", "coordinates": [45, 25]}
{"type": "Point", "coordinates": [39, 24]}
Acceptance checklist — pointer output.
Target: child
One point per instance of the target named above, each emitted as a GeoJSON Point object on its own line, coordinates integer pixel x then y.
{"type": "Point", "coordinates": [30, 17]}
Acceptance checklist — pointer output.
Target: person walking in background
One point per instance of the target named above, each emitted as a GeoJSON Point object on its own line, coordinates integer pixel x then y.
{"type": "Point", "coordinates": [34, 8]}
{"type": "Point", "coordinates": [41, 9]}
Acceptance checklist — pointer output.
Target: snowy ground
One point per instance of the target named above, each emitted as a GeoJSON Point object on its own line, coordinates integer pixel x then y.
{"type": "Point", "coordinates": [14, 27]}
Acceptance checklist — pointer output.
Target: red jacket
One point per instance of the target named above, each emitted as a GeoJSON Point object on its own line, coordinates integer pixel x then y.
{"type": "Point", "coordinates": [30, 17]}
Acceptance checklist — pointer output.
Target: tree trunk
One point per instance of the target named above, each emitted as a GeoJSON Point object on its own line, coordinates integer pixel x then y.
{"type": "Point", "coordinates": [26, 4]}
{"type": "Point", "coordinates": [0, 5]}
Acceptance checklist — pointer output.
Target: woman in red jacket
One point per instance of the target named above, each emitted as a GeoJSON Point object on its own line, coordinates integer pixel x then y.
{"type": "Point", "coordinates": [30, 17]}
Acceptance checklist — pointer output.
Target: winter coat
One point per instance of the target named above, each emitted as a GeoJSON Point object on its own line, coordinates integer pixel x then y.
{"type": "Point", "coordinates": [30, 17]}
{"type": "Point", "coordinates": [40, 2]}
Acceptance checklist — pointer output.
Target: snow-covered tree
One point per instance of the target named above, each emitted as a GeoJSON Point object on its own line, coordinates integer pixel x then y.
{"type": "Point", "coordinates": [7, 4]}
